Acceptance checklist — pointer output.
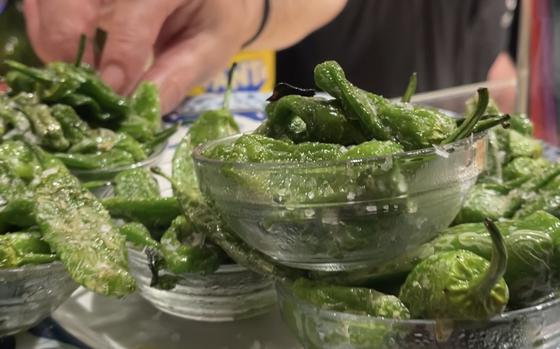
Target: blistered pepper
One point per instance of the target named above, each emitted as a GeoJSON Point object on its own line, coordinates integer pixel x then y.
{"type": "Point", "coordinates": [75, 129]}
{"type": "Point", "coordinates": [459, 284]}
{"type": "Point", "coordinates": [412, 126]}
{"type": "Point", "coordinates": [16, 199]}
{"type": "Point", "coordinates": [357, 300]}
{"type": "Point", "coordinates": [45, 127]}
{"type": "Point", "coordinates": [138, 234]}
{"type": "Point", "coordinates": [483, 201]}
{"type": "Point", "coordinates": [353, 332]}
{"type": "Point", "coordinates": [523, 167]}
{"type": "Point", "coordinates": [356, 104]}
{"type": "Point", "coordinates": [65, 212]}
{"type": "Point", "coordinates": [308, 119]}
{"type": "Point", "coordinates": [154, 213]}
{"type": "Point", "coordinates": [144, 119]}
{"type": "Point", "coordinates": [210, 125]}
{"type": "Point", "coordinates": [138, 183]}
{"type": "Point", "coordinates": [185, 251]}
{"type": "Point", "coordinates": [22, 248]}
{"type": "Point", "coordinates": [20, 159]}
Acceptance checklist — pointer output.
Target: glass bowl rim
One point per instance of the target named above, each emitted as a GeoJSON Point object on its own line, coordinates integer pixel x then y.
{"type": "Point", "coordinates": [199, 158]}
{"type": "Point", "coordinates": [34, 267]}
{"type": "Point", "coordinates": [283, 292]}
{"type": "Point", "coordinates": [223, 269]}
{"type": "Point", "coordinates": [157, 153]}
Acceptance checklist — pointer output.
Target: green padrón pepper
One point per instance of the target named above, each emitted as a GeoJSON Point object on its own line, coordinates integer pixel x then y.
{"type": "Point", "coordinates": [154, 213]}
{"type": "Point", "coordinates": [18, 249]}
{"type": "Point", "coordinates": [357, 300]}
{"type": "Point", "coordinates": [459, 284]}
{"type": "Point", "coordinates": [185, 251]}
{"type": "Point", "coordinates": [138, 183]}
{"type": "Point", "coordinates": [138, 234]}
{"type": "Point", "coordinates": [81, 233]}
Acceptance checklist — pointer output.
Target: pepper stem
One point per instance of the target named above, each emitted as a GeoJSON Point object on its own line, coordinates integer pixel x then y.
{"type": "Point", "coordinates": [491, 121]}
{"type": "Point", "coordinates": [158, 171]}
{"type": "Point", "coordinates": [469, 124]}
{"type": "Point", "coordinates": [498, 263]}
{"type": "Point", "coordinates": [81, 50]}
{"type": "Point", "coordinates": [229, 86]}
{"type": "Point", "coordinates": [410, 88]}
{"type": "Point", "coordinates": [33, 73]}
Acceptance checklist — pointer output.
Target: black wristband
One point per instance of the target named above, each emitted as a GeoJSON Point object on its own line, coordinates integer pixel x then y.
{"type": "Point", "coordinates": [264, 19]}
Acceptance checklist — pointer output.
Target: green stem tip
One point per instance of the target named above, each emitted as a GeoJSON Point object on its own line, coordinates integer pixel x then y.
{"type": "Point", "coordinates": [229, 86]}
{"type": "Point", "coordinates": [81, 50]}
{"type": "Point", "coordinates": [410, 88]}
{"type": "Point", "coordinates": [467, 127]}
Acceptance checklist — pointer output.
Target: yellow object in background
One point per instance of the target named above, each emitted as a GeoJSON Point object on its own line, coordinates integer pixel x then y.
{"type": "Point", "coordinates": [256, 72]}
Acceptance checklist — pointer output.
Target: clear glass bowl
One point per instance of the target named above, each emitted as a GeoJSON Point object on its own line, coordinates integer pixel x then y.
{"type": "Point", "coordinates": [534, 327]}
{"type": "Point", "coordinates": [340, 215]}
{"type": "Point", "coordinates": [231, 293]}
{"type": "Point", "coordinates": [30, 293]}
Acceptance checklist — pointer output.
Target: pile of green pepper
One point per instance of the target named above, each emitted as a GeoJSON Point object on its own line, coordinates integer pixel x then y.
{"type": "Point", "coordinates": [54, 121]}
{"type": "Point", "coordinates": [354, 125]}
{"type": "Point", "coordinates": [519, 180]}
{"type": "Point", "coordinates": [68, 111]}
{"type": "Point", "coordinates": [505, 258]}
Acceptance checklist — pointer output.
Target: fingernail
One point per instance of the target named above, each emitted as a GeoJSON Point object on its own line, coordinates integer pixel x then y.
{"type": "Point", "coordinates": [114, 76]}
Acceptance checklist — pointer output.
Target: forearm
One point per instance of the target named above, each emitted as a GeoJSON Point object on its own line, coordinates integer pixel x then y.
{"type": "Point", "coordinates": [290, 21]}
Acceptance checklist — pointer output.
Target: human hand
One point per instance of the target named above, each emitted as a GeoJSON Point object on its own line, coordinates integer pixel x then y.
{"type": "Point", "coordinates": [177, 44]}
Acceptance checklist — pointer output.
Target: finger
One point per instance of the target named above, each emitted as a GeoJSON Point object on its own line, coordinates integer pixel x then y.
{"type": "Point", "coordinates": [187, 64]}
{"type": "Point", "coordinates": [131, 33]}
{"type": "Point", "coordinates": [55, 27]}
{"type": "Point", "coordinates": [31, 13]}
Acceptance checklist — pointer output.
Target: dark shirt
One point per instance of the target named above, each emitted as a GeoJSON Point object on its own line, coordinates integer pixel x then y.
{"type": "Point", "coordinates": [379, 43]}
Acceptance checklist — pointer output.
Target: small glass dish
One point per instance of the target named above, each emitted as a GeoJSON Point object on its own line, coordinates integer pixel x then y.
{"type": "Point", "coordinates": [229, 294]}
{"type": "Point", "coordinates": [30, 293]}
{"type": "Point", "coordinates": [533, 327]}
{"type": "Point", "coordinates": [342, 215]}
